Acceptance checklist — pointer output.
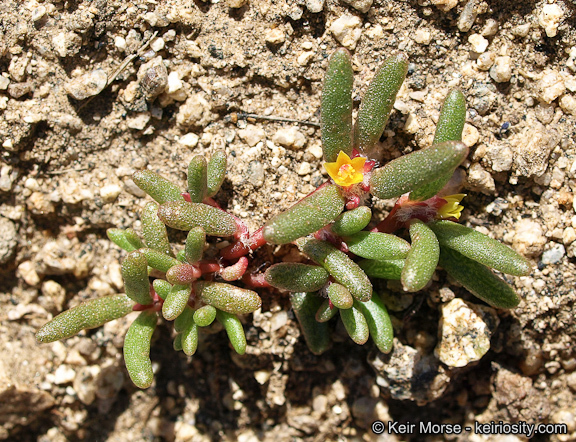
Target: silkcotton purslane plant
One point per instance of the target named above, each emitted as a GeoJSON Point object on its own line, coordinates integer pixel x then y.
{"type": "Point", "coordinates": [329, 227]}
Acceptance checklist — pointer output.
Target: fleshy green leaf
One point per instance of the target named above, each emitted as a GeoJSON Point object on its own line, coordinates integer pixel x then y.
{"type": "Point", "coordinates": [422, 258]}
{"type": "Point", "coordinates": [340, 296]}
{"type": "Point", "coordinates": [126, 239]}
{"type": "Point", "coordinates": [355, 324]}
{"type": "Point", "coordinates": [158, 260]}
{"type": "Point", "coordinates": [409, 172]}
{"type": "Point", "coordinates": [197, 178]}
{"type": "Point", "coordinates": [305, 306]}
{"type": "Point", "coordinates": [182, 274]}
{"type": "Point", "coordinates": [159, 188]}
{"type": "Point", "coordinates": [176, 301]}
{"type": "Point", "coordinates": [449, 128]}
{"type": "Point", "coordinates": [137, 349]}
{"type": "Point", "coordinates": [162, 287]}
{"type": "Point", "coordinates": [378, 321]}
{"type": "Point", "coordinates": [352, 221]}
{"type": "Point", "coordinates": [339, 265]}
{"type": "Point", "coordinates": [188, 329]}
{"type": "Point", "coordinates": [154, 230]}
{"type": "Point", "coordinates": [135, 276]}
{"type": "Point", "coordinates": [387, 269]}
{"type": "Point", "coordinates": [479, 247]}
{"type": "Point", "coordinates": [228, 298]}
{"type": "Point", "coordinates": [183, 215]}
{"type": "Point", "coordinates": [324, 312]}
{"type": "Point", "coordinates": [177, 342]}
{"type": "Point", "coordinates": [89, 314]}
{"type": "Point", "coordinates": [336, 108]}
{"type": "Point", "coordinates": [205, 316]}
{"type": "Point", "coordinates": [305, 217]}
{"type": "Point", "coordinates": [216, 172]}
{"type": "Point", "coordinates": [377, 245]}
{"type": "Point", "coordinates": [184, 319]}
{"type": "Point", "coordinates": [478, 279]}
{"type": "Point", "coordinates": [379, 99]}
{"type": "Point", "coordinates": [195, 242]}
{"type": "Point", "coordinates": [234, 330]}
{"type": "Point", "coordinates": [296, 277]}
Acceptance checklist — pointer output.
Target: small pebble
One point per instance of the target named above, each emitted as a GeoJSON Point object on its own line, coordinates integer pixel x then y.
{"type": "Point", "coordinates": [553, 255]}
{"type": "Point", "coordinates": [110, 192]}
{"type": "Point", "coordinates": [423, 36]}
{"type": "Point", "coordinates": [550, 17]}
{"type": "Point", "coordinates": [18, 90]}
{"type": "Point", "coordinates": [470, 135]}
{"type": "Point", "coordinates": [64, 375]}
{"type": "Point", "coordinates": [157, 44]}
{"type": "Point", "coordinates": [153, 78]}
{"type": "Point", "coordinates": [304, 168]}
{"type": "Point", "coordinates": [521, 30]}
{"type": "Point", "coordinates": [274, 36]}
{"type": "Point", "coordinates": [444, 5]}
{"type": "Point", "coordinates": [528, 239]}
{"type": "Point", "coordinates": [568, 104]}
{"type": "Point", "coordinates": [252, 135]}
{"type": "Point", "coordinates": [315, 6]}
{"type": "Point", "coordinates": [174, 83]}
{"type": "Point", "coordinates": [120, 43]}
{"type": "Point", "coordinates": [550, 86]}
{"type": "Point", "coordinates": [305, 57]}
{"type": "Point", "coordinates": [38, 13]}
{"type": "Point", "coordinates": [289, 137]}
{"type": "Point", "coordinates": [189, 140]}
{"type": "Point", "coordinates": [138, 121]}
{"type": "Point", "coordinates": [501, 71]}
{"type": "Point", "coordinates": [468, 16]}
{"type": "Point", "coordinates": [347, 31]}
{"type": "Point", "coordinates": [27, 271]}
{"type": "Point", "coordinates": [8, 240]}
{"type": "Point", "coordinates": [236, 4]}
{"type": "Point", "coordinates": [87, 85]}
{"type": "Point", "coordinates": [480, 180]}
{"type": "Point", "coordinates": [479, 43]}
{"type": "Point", "coordinates": [490, 28]}
{"type": "Point", "coordinates": [360, 5]}
{"type": "Point", "coordinates": [485, 60]}
{"type": "Point", "coordinates": [4, 82]}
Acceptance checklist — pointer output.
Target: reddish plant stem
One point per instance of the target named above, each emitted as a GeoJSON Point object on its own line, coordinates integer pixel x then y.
{"type": "Point", "coordinates": [235, 271]}
{"type": "Point", "coordinates": [255, 280]}
{"type": "Point", "coordinates": [241, 248]}
{"type": "Point", "coordinates": [210, 266]}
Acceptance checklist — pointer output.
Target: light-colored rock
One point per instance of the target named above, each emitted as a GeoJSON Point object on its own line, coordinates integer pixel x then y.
{"type": "Point", "coordinates": [422, 36]}
{"type": "Point", "coordinates": [304, 168]}
{"type": "Point", "coordinates": [157, 44]}
{"type": "Point", "coordinates": [66, 43]}
{"type": "Point", "coordinates": [289, 137]}
{"type": "Point", "coordinates": [479, 44]}
{"type": "Point", "coordinates": [274, 36]}
{"type": "Point", "coordinates": [120, 43]}
{"type": "Point", "coordinates": [87, 85]}
{"type": "Point", "coordinates": [550, 86]}
{"type": "Point", "coordinates": [195, 111]}
{"type": "Point", "coordinates": [532, 147]}
{"type": "Point", "coordinates": [27, 271]}
{"type": "Point", "coordinates": [314, 6]}
{"type": "Point", "coordinates": [550, 17]}
{"type": "Point", "coordinates": [480, 180]}
{"type": "Point", "coordinates": [305, 57]}
{"type": "Point", "coordinates": [138, 121]}
{"type": "Point", "coordinates": [470, 135]}
{"type": "Point", "coordinates": [528, 238]}
{"type": "Point", "coordinates": [501, 70]}
{"type": "Point", "coordinates": [360, 5]}
{"type": "Point", "coordinates": [468, 16]}
{"type": "Point", "coordinates": [110, 192]}
{"type": "Point", "coordinates": [4, 82]}
{"type": "Point", "coordinates": [17, 68]}
{"type": "Point", "coordinates": [347, 30]}
{"type": "Point", "coordinates": [485, 60]}
{"type": "Point", "coordinates": [189, 139]}
{"type": "Point", "coordinates": [64, 375]}
{"type": "Point", "coordinates": [568, 104]}
{"type": "Point", "coordinates": [501, 157]}
{"type": "Point", "coordinates": [490, 28]}
{"type": "Point", "coordinates": [153, 77]}
{"type": "Point", "coordinates": [252, 135]}
{"type": "Point", "coordinates": [444, 5]}
{"type": "Point", "coordinates": [8, 240]}
{"type": "Point", "coordinates": [568, 235]}
{"type": "Point", "coordinates": [554, 254]}
{"type": "Point", "coordinates": [85, 383]}
{"type": "Point", "coordinates": [465, 330]}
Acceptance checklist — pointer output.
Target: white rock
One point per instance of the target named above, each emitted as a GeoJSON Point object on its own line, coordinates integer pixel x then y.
{"type": "Point", "coordinates": [110, 192]}
{"type": "Point", "coordinates": [465, 332]}
{"type": "Point", "coordinates": [314, 6]}
{"type": "Point", "coordinates": [120, 43]}
{"type": "Point", "coordinates": [274, 36]}
{"type": "Point", "coordinates": [27, 271]}
{"type": "Point", "coordinates": [174, 82]}
{"type": "Point", "coordinates": [550, 86]}
{"type": "Point", "coordinates": [501, 71]}
{"type": "Point", "coordinates": [568, 104]}
{"type": "Point", "coordinates": [316, 150]}
{"type": "Point", "coordinates": [66, 43]}
{"type": "Point", "coordinates": [569, 235]}
{"type": "Point", "coordinates": [4, 82]}
{"type": "Point", "coordinates": [138, 121]}
{"type": "Point", "coordinates": [64, 375]}
{"type": "Point", "coordinates": [422, 36]}
{"type": "Point", "coordinates": [532, 147]}
{"type": "Point", "coordinates": [347, 31]}
{"type": "Point", "coordinates": [289, 137]}
{"type": "Point", "coordinates": [252, 135]}
{"type": "Point", "coordinates": [479, 179]}
{"type": "Point", "coordinates": [38, 13]}
{"type": "Point", "coordinates": [87, 85]}
{"type": "Point", "coordinates": [360, 5]}
{"type": "Point", "coordinates": [478, 43]}
{"type": "Point", "coordinates": [485, 60]}
{"type": "Point", "coordinates": [304, 168]}
{"type": "Point", "coordinates": [528, 239]}
{"type": "Point", "coordinates": [157, 44]}
{"type": "Point", "coordinates": [550, 17]}
{"type": "Point", "coordinates": [470, 135]}
{"type": "Point", "coordinates": [553, 255]}
{"type": "Point", "coordinates": [189, 140]}
{"type": "Point", "coordinates": [195, 111]}
{"type": "Point", "coordinates": [305, 57]}
{"type": "Point", "coordinates": [444, 5]}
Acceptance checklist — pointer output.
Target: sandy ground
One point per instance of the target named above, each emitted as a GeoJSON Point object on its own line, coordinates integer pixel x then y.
{"type": "Point", "coordinates": [76, 122]}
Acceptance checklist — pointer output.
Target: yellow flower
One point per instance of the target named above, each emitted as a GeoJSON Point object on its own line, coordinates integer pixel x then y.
{"type": "Point", "coordinates": [345, 171]}
{"type": "Point", "coordinates": [451, 209]}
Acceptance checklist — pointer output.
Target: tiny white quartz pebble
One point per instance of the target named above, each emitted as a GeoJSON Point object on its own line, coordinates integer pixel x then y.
{"type": "Point", "coordinates": [110, 192]}
{"type": "Point", "coordinates": [347, 31]}
{"type": "Point", "coordinates": [550, 17]}
{"type": "Point", "coordinates": [479, 43]}
{"type": "Point", "coordinates": [551, 86]}
{"type": "Point", "coordinates": [501, 70]}
{"type": "Point", "coordinates": [157, 44]}
{"type": "Point", "coordinates": [274, 36]}
{"type": "Point", "coordinates": [423, 36]}
{"type": "Point", "coordinates": [189, 140]}
{"type": "Point", "coordinates": [120, 43]}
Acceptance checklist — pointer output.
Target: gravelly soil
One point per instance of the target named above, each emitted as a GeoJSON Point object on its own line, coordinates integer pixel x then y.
{"type": "Point", "coordinates": [65, 178]}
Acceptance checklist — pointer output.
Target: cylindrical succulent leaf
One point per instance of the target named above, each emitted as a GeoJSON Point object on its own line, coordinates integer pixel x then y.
{"type": "Point", "coordinates": [135, 276]}
{"type": "Point", "coordinates": [377, 245]}
{"type": "Point", "coordinates": [183, 215]}
{"type": "Point", "coordinates": [351, 221]}
{"type": "Point", "coordinates": [137, 348]}
{"type": "Point", "coordinates": [305, 217]}
{"type": "Point", "coordinates": [340, 296]}
{"type": "Point", "coordinates": [379, 99]}
{"type": "Point", "coordinates": [176, 301]}
{"type": "Point", "coordinates": [326, 311]}
{"type": "Point", "coordinates": [190, 338]}
{"type": "Point", "coordinates": [378, 321]}
{"type": "Point", "coordinates": [386, 269]}
{"type": "Point", "coordinates": [339, 265]}
{"type": "Point", "coordinates": [355, 324]}
{"type": "Point", "coordinates": [227, 297]}
{"type": "Point", "coordinates": [479, 247]}
{"type": "Point", "coordinates": [184, 319]}
{"type": "Point", "coordinates": [195, 242]}
{"type": "Point", "coordinates": [158, 260]}
{"type": "Point", "coordinates": [234, 330]}
{"type": "Point", "coordinates": [177, 342]}
{"type": "Point", "coordinates": [183, 274]}
{"type": "Point", "coordinates": [336, 107]}
{"type": "Point", "coordinates": [158, 187]}
{"type": "Point", "coordinates": [126, 239]}
{"type": "Point", "coordinates": [205, 316]}
{"type": "Point", "coordinates": [296, 277]}
{"type": "Point", "coordinates": [197, 179]}
{"type": "Point", "coordinates": [89, 314]}
{"type": "Point", "coordinates": [422, 258]}
{"type": "Point", "coordinates": [181, 255]}
{"type": "Point", "coordinates": [316, 334]}
{"type": "Point", "coordinates": [409, 172]}
{"type": "Point", "coordinates": [154, 230]}
{"type": "Point", "coordinates": [478, 279]}
{"type": "Point", "coordinates": [216, 172]}
{"type": "Point", "coordinates": [161, 287]}
{"type": "Point", "coordinates": [449, 128]}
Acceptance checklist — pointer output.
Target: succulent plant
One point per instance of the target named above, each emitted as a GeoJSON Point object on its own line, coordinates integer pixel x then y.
{"type": "Point", "coordinates": [329, 227]}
